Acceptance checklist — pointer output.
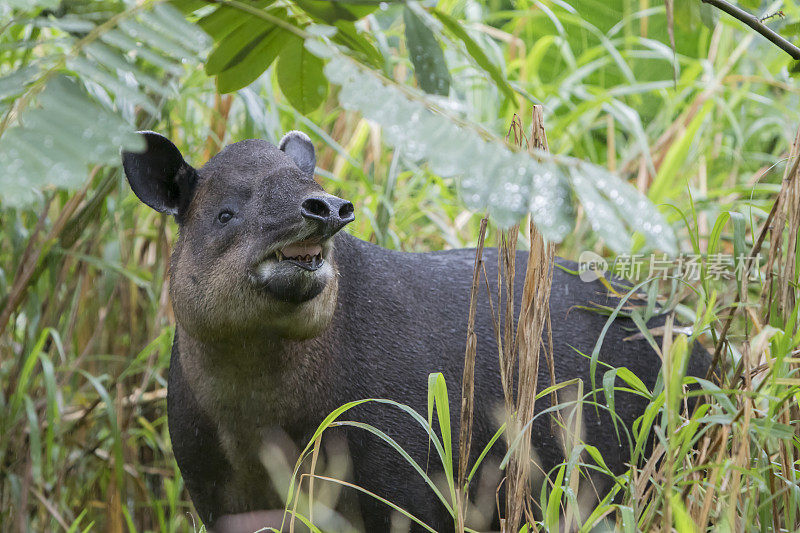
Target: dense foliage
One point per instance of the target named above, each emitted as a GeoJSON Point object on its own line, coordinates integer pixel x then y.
{"type": "Point", "coordinates": [408, 103]}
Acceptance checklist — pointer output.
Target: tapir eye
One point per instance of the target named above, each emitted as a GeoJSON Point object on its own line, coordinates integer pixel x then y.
{"type": "Point", "coordinates": [225, 216]}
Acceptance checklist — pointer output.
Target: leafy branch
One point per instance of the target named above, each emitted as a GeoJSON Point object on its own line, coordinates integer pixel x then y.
{"type": "Point", "coordinates": [38, 85]}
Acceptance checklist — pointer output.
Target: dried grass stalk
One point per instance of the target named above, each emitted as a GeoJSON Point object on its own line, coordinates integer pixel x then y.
{"type": "Point", "coordinates": [780, 268]}
{"type": "Point", "coordinates": [518, 347]}
{"type": "Point", "coordinates": [468, 383]}
{"type": "Point", "coordinates": [534, 314]}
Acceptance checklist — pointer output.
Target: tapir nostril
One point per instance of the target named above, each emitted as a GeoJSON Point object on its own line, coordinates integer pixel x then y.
{"type": "Point", "coordinates": [328, 212]}
{"type": "Point", "coordinates": [316, 208]}
{"type": "Point", "coordinates": [346, 211]}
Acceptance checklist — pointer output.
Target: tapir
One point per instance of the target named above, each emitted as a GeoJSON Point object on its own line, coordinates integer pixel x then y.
{"type": "Point", "coordinates": [281, 317]}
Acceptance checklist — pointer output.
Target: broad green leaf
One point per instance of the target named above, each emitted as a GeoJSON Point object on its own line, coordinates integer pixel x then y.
{"type": "Point", "coordinates": [226, 19]}
{"type": "Point", "coordinates": [300, 77]}
{"type": "Point", "coordinates": [332, 12]}
{"type": "Point", "coordinates": [595, 454]}
{"type": "Point", "coordinates": [492, 177]}
{"type": "Point", "coordinates": [60, 137]}
{"type": "Point", "coordinates": [426, 55]}
{"type": "Point", "coordinates": [257, 60]}
{"type": "Point", "coordinates": [476, 52]}
{"type": "Point", "coordinates": [156, 39]}
{"type": "Point", "coordinates": [115, 60]}
{"type": "Point", "coordinates": [168, 21]}
{"type": "Point", "coordinates": [240, 45]}
{"type": "Point", "coordinates": [90, 70]}
{"type": "Point", "coordinates": [437, 391]}
{"type": "Point", "coordinates": [124, 41]}
{"type": "Point", "coordinates": [15, 81]}
{"type": "Point", "coordinates": [188, 6]}
{"type": "Point", "coordinates": [628, 519]}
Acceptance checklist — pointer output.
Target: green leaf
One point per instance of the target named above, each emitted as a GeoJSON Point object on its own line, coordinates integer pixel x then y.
{"type": "Point", "coordinates": [57, 140]}
{"type": "Point", "coordinates": [740, 248]}
{"type": "Point", "coordinates": [169, 21]}
{"type": "Point", "coordinates": [682, 520]}
{"type": "Point", "coordinates": [430, 68]}
{"type": "Point", "coordinates": [490, 176]}
{"type": "Point", "coordinates": [608, 388]}
{"type": "Point", "coordinates": [554, 502]}
{"type": "Point", "coordinates": [716, 232]}
{"type": "Point", "coordinates": [256, 61]}
{"type": "Point", "coordinates": [16, 81]}
{"type": "Point", "coordinates": [476, 52]}
{"type": "Point", "coordinates": [188, 6]}
{"type": "Point", "coordinates": [156, 39]}
{"type": "Point", "coordinates": [485, 451]}
{"type": "Point", "coordinates": [628, 519]}
{"type": "Point", "coordinates": [239, 46]}
{"type": "Point", "coordinates": [679, 358]}
{"type": "Point", "coordinates": [402, 452]}
{"type": "Point", "coordinates": [300, 77]}
{"type": "Point", "coordinates": [332, 12]}
{"type": "Point", "coordinates": [350, 37]}
{"type": "Point", "coordinates": [437, 392]}
{"type": "Point", "coordinates": [124, 41]}
{"type": "Point", "coordinates": [226, 19]}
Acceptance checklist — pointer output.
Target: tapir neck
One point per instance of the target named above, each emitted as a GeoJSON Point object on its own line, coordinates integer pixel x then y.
{"type": "Point", "coordinates": [267, 355]}
{"type": "Point", "coordinates": [283, 377]}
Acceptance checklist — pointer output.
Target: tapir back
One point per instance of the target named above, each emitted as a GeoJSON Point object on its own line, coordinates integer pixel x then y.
{"type": "Point", "coordinates": [401, 316]}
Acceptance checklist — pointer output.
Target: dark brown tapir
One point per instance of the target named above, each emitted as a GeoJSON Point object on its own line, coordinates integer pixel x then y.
{"type": "Point", "coordinates": [282, 318]}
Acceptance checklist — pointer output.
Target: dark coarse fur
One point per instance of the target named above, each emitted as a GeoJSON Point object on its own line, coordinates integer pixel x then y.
{"type": "Point", "coordinates": [248, 363]}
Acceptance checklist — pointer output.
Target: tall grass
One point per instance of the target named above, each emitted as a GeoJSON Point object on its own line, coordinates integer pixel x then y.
{"type": "Point", "coordinates": [85, 329]}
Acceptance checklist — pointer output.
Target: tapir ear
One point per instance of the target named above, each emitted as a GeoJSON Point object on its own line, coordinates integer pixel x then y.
{"type": "Point", "coordinates": [299, 147]}
{"type": "Point", "coordinates": [159, 176]}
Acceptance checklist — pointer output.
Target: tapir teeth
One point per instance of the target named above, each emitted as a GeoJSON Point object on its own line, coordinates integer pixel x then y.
{"type": "Point", "coordinates": [314, 259]}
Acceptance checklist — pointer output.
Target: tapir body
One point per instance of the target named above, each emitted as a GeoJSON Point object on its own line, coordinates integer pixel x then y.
{"type": "Point", "coordinates": [281, 319]}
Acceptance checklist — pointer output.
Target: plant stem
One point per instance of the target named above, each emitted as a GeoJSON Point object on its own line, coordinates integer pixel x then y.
{"type": "Point", "coordinates": [757, 25]}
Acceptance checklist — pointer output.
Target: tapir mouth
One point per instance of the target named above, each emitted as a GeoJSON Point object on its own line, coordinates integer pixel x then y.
{"type": "Point", "coordinates": [306, 254]}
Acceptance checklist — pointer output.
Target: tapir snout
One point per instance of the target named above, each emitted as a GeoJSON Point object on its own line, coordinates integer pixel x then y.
{"type": "Point", "coordinates": [329, 212]}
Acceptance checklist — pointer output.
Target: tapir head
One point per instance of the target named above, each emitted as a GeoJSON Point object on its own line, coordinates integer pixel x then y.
{"type": "Point", "coordinates": [254, 254]}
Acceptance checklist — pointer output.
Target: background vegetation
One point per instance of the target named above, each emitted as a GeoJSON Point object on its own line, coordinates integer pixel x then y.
{"type": "Point", "coordinates": [705, 131]}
